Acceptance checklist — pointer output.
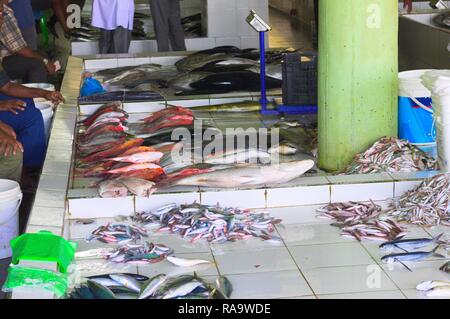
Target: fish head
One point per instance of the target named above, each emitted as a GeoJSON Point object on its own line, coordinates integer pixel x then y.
{"type": "Point", "coordinates": [387, 259]}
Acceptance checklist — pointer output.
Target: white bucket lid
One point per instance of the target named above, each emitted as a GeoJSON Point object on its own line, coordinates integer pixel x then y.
{"type": "Point", "coordinates": [410, 84]}
{"type": "Point", "coordinates": [44, 86]}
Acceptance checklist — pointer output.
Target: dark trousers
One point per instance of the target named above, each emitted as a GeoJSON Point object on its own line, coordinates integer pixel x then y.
{"type": "Point", "coordinates": [29, 128]}
{"type": "Point", "coordinates": [29, 70]}
{"type": "Point", "coordinates": [167, 21]}
{"type": "Point", "coordinates": [114, 41]}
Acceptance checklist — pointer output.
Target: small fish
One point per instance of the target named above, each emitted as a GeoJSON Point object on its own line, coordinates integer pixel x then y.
{"type": "Point", "coordinates": [139, 187]}
{"type": "Point", "coordinates": [127, 281]}
{"type": "Point", "coordinates": [427, 285]}
{"type": "Point", "coordinates": [100, 291]}
{"type": "Point", "coordinates": [152, 286]}
{"type": "Point", "coordinates": [224, 287]}
{"type": "Point", "coordinates": [181, 262]}
{"type": "Point", "coordinates": [112, 189]}
{"type": "Point", "coordinates": [410, 256]}
{"type": "Point", "coordinates": [182, 290]}
{"type": "Point", "coordinates": [405, 244]}
{"type": "Point", "coordinates": [284, 148]}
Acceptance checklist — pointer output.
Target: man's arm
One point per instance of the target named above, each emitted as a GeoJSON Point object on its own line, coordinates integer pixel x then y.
{"type": "Point", "coordinates": [21, 91]}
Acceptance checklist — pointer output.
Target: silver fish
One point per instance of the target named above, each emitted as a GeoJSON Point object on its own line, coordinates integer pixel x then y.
{"type": "Point", "coordinates": [411, 243]}
{"type": "Point", "coordinates": [127, 281]}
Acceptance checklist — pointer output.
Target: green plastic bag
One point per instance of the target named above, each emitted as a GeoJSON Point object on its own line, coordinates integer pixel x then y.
{"type": "Point", "coordinates": [43, 246]}
{"type": "Point", "coordinates": [36, 278]}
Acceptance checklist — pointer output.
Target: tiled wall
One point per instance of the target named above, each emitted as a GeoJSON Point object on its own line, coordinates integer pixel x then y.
{"type": "Point", "coordinates": [225, 25]}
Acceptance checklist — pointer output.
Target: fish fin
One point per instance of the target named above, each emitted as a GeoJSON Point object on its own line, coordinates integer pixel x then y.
{"type": "Point", "coordinates": [401, 248]}
{"type": "Point", "coordinates": [404, 265]}
{"type": "Point", "coordinates": [437, 239]}
{"type": "Point", "coordinates": [438, 255]}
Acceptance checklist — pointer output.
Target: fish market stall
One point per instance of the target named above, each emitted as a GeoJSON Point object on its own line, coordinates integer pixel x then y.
{"type": "Point", "coordinates": [209, 230]}
{"type": "Point", "coordinates": [207, 23]}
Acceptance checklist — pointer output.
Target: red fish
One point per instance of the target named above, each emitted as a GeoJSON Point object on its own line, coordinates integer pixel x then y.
{"type": "Point", "coordinates": [133, 168]}
{"type": "Point", "coordinates": [110, 107]}
{"type": "Point", "coordinates": [177, 120]}
{"type": "Point", "coordinates": [119, 149]}
{"type": "Point", "coordinates": [171, 110]}
{"type": "Point", "coordinates": [147, 174]}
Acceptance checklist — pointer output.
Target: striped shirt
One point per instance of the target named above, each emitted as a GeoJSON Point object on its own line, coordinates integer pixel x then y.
{"type": "Point", "coordinates": [11, 39]}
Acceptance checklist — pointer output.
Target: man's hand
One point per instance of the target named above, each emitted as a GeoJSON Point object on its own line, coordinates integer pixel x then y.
{"type": "Point", "coordinates": [408, 4]}
{"type": "Point", "coordinates": [54, 96]}
{"type": "Point", "coordinates": [9, 146]}
{"type": "Point", "coordinates": [51, 69]}
{"type": "Point", "coordinates": [13, 106]}
{"type": "Point", "coordinates": [8, 130]}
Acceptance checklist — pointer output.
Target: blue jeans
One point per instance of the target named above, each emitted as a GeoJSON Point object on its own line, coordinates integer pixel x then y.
{"type": "Point", "coordinates": [29, 127]}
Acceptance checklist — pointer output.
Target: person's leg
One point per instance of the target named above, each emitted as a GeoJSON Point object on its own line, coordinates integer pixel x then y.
{"type": "Point", "coordinates": [105, 42]}
{"type": "Point", "coordinates": [29, 70]}
{"type": "Point", "coordinates": [176, 29]}
{"type": "Point", "coordinates": [30, 37]}
{"type": "Point", "coordinates": [11, 167]}
{"type": "Point", "coordinates": [29, 127]}
{"type": "Point", "coordinates": [316, 14]}
{"type": "Point", "coordinates": [160, 15]}
{"type": "Point", "coordinates": [122, 40]}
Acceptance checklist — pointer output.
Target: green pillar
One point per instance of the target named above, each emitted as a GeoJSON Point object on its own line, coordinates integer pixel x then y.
{"type": "Point", "coordinates": [358, 71]}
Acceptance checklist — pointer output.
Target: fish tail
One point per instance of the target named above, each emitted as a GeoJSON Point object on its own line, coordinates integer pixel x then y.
{"type": "Point", "coordinates": [438, 240]}
{"type": "Point", "coordinates": [436, 254]}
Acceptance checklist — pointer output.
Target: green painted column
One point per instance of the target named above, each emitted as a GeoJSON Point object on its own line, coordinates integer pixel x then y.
{"type": "Point", "coordinates": [358, 71]}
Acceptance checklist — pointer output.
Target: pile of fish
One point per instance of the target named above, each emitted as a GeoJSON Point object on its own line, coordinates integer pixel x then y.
{"type": "Point", "coordinates": [362, 221]}
{"type": "Point", "coordinates": [146, 253]}
{"type": "Point", "coordinates": [428, 205]}
{"type": "Point", "coordinates": [213, 223]}
{"type": "Point", "coordinates": [435, 288]}
{"type": "Point", "coordinates": [350, 212]}
{"type": "Point", "coordinates": [129, 286]}
{"type": "Point", "coordinates": [391, 155]}
{"type": "Point", "coordinates": [118, 234]}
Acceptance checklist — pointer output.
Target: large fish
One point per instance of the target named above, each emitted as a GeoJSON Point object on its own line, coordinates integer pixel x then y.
{"type": "Point", "coordinates": [137, 158]}
{"type": "Point", "coordinates": [237, 107]}
{"type": "Point", "coordinates": [233, 81]}
{"type": "Point", "coordinates": [122, 96]}
{"type": "Point", "coordinates": [134, 167]}
{"type": "Point", "coordinates": [168, 111]}
{"type": "Point", "coordinates": [199, 60]}
{"type": "Point", "coordinates": [113, 151]}
{"type": "Point", "coordinates": [112, 189]}
{"type": "Point", "coordinates": [249, 175]}
{"type": "Point", "coordinates": [183, 82]}
{"type": "Point", "coordinates": [139, 187]}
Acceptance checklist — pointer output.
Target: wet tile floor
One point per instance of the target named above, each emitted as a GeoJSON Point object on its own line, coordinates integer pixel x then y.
{"type": "Point", "coordinates": [313, 261]}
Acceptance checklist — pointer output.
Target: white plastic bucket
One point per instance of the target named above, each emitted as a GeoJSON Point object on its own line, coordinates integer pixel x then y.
{"type": "Point", "coordinates": [47, 115]}
{"type": "Point", "coordinates": [10, 200]}
{"type": "Point", "coordinates": [44, 86]}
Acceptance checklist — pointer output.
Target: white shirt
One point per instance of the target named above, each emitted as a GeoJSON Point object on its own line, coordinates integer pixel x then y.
{"type": "Point", "coordinates": [110, 14]}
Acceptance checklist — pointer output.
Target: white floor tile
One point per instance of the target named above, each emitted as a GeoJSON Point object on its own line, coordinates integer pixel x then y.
{"type": "Point", "coordinates": [264, 260]}
{"type": "Point", "coordinates": [394, 294]}
{"type": "Point", "coordinates": [422, 271]}
{"type": "Point", "coordinates": [244, 245]}
{"type": "Point", "coordinates": [302, 195]}
{"type": "Point", "coordinates": [351, 279]}
{"type": "Point", "coordinates": [330, 255]}
{"type": "Point", "coordinates": [86, 268]}
{"type": "Point", "coordinates": [362, 192]}
{"type": "Point", "coordinates": [297, 214]}
{"type": "Point", "coordinates": [310, 234]}
{"type": "Point", "coordinates": [243, 198]}
{"type": "Point", "coordinates": [46, 216]}
{"type": "Point", "coordinates": [269, 285]}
